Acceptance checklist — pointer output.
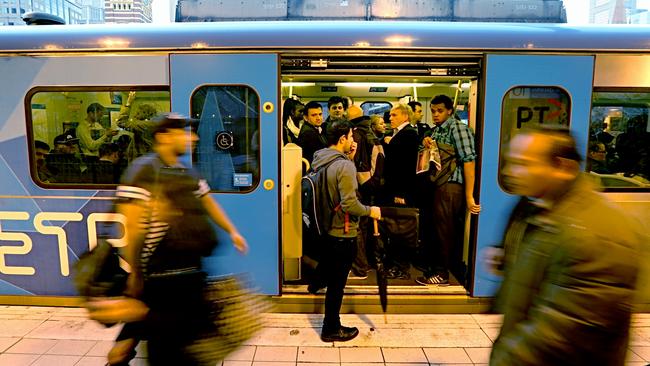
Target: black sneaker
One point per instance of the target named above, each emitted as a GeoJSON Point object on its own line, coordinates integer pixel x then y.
{"type": "Point", "coordinates": [343, 334]}
{"type": "Point", "coordinates": [354, 275]}
{"type": "Point", "coordinates": [435, 280]}
{"type": "Point", "coordinates": [314, 289]}
{"type": "Point", "coordinates": [397, 274]}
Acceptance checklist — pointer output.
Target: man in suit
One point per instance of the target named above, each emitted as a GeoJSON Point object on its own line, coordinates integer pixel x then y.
{"type": "Point", "coordinates": [401, 157]}
{"type": "Point", "coordinates": [399, 176]}
{"type": "Point", "coordinates": [422, 127]}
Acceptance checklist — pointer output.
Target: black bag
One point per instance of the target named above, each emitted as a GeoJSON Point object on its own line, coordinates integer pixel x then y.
{"type": "Point", "coordinates": [447, 165]}
{"type": "Point", "coordinates": [401, 225]}
{"type": "Point", "coordinates": [317, 209]}
{"type": "Point", "coordinates": [97, 273]}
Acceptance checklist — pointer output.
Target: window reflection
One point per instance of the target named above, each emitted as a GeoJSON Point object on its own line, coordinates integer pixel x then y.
{"type": "Point", "coordinates": [525, 107]}
{"type": "Point", "coordinates": [228, 151]}
{"type": "Point", "coordinates": [619, 139]}
{"type": "Point", "coordinates": [90, 136]}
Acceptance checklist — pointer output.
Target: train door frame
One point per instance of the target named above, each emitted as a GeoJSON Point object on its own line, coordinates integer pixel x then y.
{"type": "Point", "coordinates": [572, 73]}
{"type": "Point", "coordinates": [255, 212]}
{"type": "Point", "coordinates": [444, 65]}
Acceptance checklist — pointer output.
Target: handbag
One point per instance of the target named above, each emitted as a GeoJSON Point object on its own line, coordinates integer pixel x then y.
{"type": "Point", "coordinates": [400, 225]}
{"type": "Point", "coordinates": [98, 273]}
{"type": "Point", "coordinates": [236, 312]}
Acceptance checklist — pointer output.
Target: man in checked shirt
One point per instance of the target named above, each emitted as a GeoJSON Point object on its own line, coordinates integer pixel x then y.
{"type": "Point", "coordinates": [451, 199]}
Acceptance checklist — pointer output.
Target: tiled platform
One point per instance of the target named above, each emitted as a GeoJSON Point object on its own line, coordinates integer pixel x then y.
{"type": "Point", "coordinates": [47, 336]}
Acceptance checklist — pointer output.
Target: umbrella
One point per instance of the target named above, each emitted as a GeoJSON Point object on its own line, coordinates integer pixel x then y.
{"type": "Point", "coordinates": [400, 224]}
{"type": "Point", "coordinates": [380, 256]}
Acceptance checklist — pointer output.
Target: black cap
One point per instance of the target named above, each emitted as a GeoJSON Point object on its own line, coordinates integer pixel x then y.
{"type": "Point", "coordinates": [65, 138]}
{"type": "Point", "coordinates": [168, 121]}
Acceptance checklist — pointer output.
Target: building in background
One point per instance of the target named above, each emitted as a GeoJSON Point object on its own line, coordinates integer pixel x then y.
{"type": "Point", "coordinates": [614, 11]}
{"type": "Point", "coordinates": [528, 11]}
{"type": "Point", "coordinates": [641, 17]}
{"type": "Point", "coordinates": [93, 11]}
{"type": "Point", "coordinates": [70, 10]}
{"type": "Point", "coordinates": [127, 11]}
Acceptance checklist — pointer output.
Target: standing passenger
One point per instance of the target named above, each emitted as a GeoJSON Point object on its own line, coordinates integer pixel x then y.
{"type": "Point", "coordinates": [401, 157]}
{"type": "Point", "coordinates": [312, 135]}
{"type": "Point", "coordinates": [571, 261]}
{"type": "Point", "coordinates": [140, 124]}
{"type": "Point", "coordinates": [451, 199]}
{"type": "Point", "coordinates": [336, 108]}
{"type": "Point", "coordinates": [369, 162]}
{"type": "Point", "coordinates": [399, 176]}
{"type": "Point", "coordinates": [292, 120]}
{"type": "Point", "coordinates": [341, 238]}
{"type": "Point", "coordinates": [90, 132]}
{"type": "Point", "coordinates": [422, 127]}
{"type": "Point", "coordinates": [378, 126]}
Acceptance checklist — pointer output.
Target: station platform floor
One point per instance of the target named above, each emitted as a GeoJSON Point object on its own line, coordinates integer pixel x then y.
{"type": "Point", "coordinates": [55, 336]}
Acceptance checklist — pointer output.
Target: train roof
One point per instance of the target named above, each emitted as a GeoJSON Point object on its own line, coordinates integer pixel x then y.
{"type": "Point", "coordinates": [336, 35]}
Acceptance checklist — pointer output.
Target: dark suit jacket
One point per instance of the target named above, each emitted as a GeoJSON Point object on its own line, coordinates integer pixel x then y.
{"type": "Point", "coordinates": [400, 164]}
{"type": "Point", "coordinates": [310, 140]}
{"type": "Point", "coordinates": [423, 128]}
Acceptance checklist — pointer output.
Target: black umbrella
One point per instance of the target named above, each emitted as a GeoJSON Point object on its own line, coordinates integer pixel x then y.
{"type": "Point", "coordinates": [400, 225]}
{"type": "Point", "coordinates": [380, 256]}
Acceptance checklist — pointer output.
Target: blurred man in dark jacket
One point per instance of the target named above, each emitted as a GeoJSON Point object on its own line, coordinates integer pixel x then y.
{"type": "Point", "coordinates": [571, 261]}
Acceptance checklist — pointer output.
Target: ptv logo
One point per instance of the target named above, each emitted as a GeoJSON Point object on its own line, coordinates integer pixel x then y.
{"type": "Point", "coordinates": [550, 113]}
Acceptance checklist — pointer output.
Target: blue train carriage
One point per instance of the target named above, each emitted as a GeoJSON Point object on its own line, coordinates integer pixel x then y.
{"type": "Point", "coordinates": [233, 77]}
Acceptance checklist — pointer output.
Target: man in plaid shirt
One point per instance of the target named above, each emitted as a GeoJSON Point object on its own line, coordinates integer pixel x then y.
{"type": "Point", "coordinates": [451, 199]}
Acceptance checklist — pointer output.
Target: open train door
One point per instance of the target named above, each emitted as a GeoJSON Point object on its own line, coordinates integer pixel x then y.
{"type": "Point", "coordinates": [235, 99]}
{"type": "Point", "coordinates": [520, 90]}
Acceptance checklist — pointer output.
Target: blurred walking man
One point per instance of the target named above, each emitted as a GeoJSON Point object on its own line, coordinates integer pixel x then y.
{"type": "Point", "coordinates": [571, 261]}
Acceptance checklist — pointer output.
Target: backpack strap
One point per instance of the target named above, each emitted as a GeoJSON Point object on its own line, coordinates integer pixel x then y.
{"type": "Point", "coordinates": [346, 220]}
{"type": "Point", "coordinates": [346, 226]}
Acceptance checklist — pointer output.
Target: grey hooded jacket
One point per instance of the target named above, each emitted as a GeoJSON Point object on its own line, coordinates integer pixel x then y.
{"type": "Point", "coordinates": [343, 187]}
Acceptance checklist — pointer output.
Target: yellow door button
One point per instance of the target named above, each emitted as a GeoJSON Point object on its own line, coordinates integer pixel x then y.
{"type": "Point", "coordinates": [269, 184]}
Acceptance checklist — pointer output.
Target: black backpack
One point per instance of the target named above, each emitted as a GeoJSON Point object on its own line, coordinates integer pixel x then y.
{"type": "Point", "coordinates": [317, 209]}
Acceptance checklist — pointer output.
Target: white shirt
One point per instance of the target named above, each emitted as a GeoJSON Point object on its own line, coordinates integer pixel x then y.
{"type": "Point", "coordinates": [400, 127]}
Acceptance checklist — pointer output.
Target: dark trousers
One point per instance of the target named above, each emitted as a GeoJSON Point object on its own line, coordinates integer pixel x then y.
{"type": "Point", "coordinates": [336, 264]}
{"type": "Point", "coordinates": [178, 314]}
{"type": "Point", "coordinates": [448, 217]}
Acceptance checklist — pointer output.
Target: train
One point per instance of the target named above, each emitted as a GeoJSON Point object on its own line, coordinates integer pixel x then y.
{"type": "Point", "coordinates": [233, 78]}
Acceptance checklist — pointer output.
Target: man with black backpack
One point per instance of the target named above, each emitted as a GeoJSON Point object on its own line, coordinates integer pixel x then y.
{"type": "Point", "coordinates": [341, 220]}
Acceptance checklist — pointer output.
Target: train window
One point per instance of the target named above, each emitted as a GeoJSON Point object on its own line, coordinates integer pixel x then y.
{"type": "Point", "coordinates": [88, 136]}
{"type": "Point", "coordinates": [228, 151]}
{"type": "Point", "coordinates": [527, 106]}
{"type": "Point", "coordinates": [370, 108]}
{"type": "Point", "coordinates": [619, 139]}
{"type": "Point", "coordinates": [326, 111]}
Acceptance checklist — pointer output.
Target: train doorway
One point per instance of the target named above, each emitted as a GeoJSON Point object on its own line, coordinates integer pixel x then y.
{"type": "Point", "coordinates": [375, 83]}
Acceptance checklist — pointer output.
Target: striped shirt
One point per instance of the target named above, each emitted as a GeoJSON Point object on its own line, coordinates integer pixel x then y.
{"type": "Point", "coordinates": [461, 137]}
{"type": "Point", "coordinates": [143, 181]}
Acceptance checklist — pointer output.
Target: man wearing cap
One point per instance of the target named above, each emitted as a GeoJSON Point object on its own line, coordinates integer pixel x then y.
{"type": "Point", "coordinates": [90, 132]}
{"type": "Point", "coordinates": [167, 207]}
{"type": "Point", "coordinates": [62, 161]}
